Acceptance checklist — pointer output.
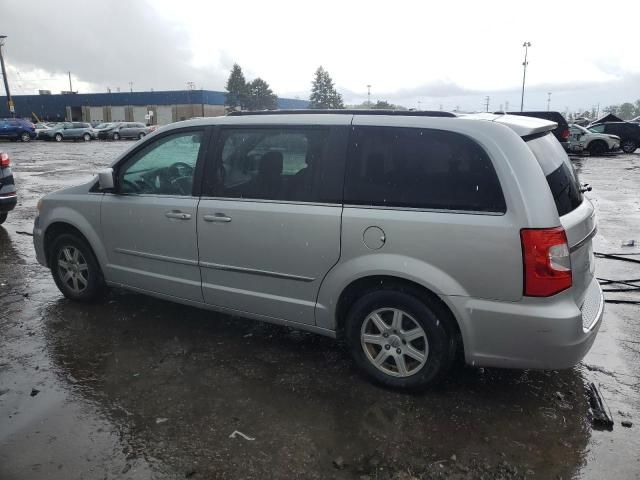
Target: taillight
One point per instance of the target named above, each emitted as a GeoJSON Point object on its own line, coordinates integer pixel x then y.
{"type": "Point", "coordinates": [565, 133]}
{"type": "Point", "coordinates": [547, 262]}
{"type": "Point", "coordinates": [4, 160]}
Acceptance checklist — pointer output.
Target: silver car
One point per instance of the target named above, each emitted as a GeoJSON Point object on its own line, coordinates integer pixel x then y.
{"type": "Point", "coordinates": [69, 131]}
{"type": "Point", "coordinates": [416, 237]}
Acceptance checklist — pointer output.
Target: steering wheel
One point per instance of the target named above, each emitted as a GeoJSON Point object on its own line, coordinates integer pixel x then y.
{"type": "Point", "coordinates": [183, 181]}
{"type": "Point", "coordinates": [183, 169]}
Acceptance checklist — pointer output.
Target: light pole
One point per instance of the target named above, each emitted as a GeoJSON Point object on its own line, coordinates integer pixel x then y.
{"type": "Point", "coordinates": [548, 101]}
{"type": "Point", "coordinates": [419, 105]}
{"type": "Point", "coordinates": [12, 109]}
{"type": "Point", "coordinates": [369, 96]}
{"type": "Point", "coordinates": [526, 46]}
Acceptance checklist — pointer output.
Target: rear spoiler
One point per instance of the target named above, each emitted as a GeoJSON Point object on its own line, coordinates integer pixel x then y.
{"type": "Point", "coordinates": [523, 126]}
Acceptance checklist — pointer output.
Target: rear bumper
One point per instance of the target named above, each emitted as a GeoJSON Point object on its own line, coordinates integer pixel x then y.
{"type": "Point", "coordinates": [551, 333]}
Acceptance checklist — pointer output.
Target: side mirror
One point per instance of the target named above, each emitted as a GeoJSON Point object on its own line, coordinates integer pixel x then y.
{"type": "Point", "coordinates": [105, 179]}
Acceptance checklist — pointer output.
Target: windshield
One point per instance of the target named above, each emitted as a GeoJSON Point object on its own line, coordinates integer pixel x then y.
{"type": "Point", "coordinates": [103, 125]}
{"type": "Point", "coordinates": [557, 168]}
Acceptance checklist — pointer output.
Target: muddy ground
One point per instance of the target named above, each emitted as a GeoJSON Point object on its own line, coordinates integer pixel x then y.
{"type": "Point", "coordinates": [139, 388]}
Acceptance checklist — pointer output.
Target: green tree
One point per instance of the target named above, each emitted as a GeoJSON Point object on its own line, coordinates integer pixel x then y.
{"type": "Point", "coordinates": [627, 111]}
{"type": "Point", "coordinates": [611, 109]}
{"type": "Point", "coordinates": [260, 96]}
{"type": "Point", "coordinates": [236, 89]}
{"type": "Point", "coordinates": [323, 92]}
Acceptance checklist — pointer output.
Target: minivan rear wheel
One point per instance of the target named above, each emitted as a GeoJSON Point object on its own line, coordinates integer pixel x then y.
{"type": "Point", "coordinates": [399, 340]}
{"type": "Point", "coordinates": [25, 137]}
{"type": "Point", "coordinates": [75, 269]}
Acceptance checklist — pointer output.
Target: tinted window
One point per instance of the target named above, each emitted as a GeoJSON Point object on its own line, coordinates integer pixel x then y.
{"type": "Point", "coordinates": [420, 168]}
{"type": "Point", "coordinates": [272, 164]}
{"type": "Point", "coordinates": [561, 177]}
{"type": "Point", "coordinates": [164, 167]}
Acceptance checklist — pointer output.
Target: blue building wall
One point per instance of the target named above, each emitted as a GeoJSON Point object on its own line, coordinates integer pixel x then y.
{"type": "Point", "coordinates": [53, 106]}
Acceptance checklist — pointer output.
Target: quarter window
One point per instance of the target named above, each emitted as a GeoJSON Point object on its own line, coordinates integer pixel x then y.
{"type": "Point", "coordinates": [420, 168]}
{"type": "Point", "coordinates": [165, 167]}
{"type": "Point", "coordinates": [271, 164]}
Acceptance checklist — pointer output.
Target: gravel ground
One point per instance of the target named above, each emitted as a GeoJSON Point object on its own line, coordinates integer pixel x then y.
{"type": "Point", "coordinates": [139, 388]}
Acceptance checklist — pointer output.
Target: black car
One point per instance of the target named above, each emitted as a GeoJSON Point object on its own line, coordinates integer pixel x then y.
{"type": "Point", "coordinates": [562, 130]}
{"type": "Point", "coordinates": [8, 195]}
{"type": "Point", "coordinates": [628, 132]}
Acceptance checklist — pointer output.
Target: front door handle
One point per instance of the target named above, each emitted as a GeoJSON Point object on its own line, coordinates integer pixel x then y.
{"type": "Point", "coordinates": [218, 217]}
{"type": "Point", "coordinates": [178, 214]}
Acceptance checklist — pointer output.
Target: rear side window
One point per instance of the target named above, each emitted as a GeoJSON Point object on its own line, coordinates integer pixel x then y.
{"type": "Point", "coordinates": [420, 168]}
{"type": "Point", "coordinates": [561, 177]}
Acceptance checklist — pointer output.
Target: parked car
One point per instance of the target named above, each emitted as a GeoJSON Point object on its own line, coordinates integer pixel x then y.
{"type": "Point", "coordinates": [69, 131]}
{"type": "Point", "coordinates": [629, 133]}
{"type": "Point", "coordinates": [41, 127]}
{"type": "Point", "coordinates": [561, 131]}
{"type": "Point", "coordinates": [595, 143]}
{"type": "Point", "coordinates": [17, 129]}
{"type": "Point", "coordinates": [412, 236]}
{"type": "Point", "coordinates": [8, 194]}
{"type": "Point", "coordinates": [121, 130]}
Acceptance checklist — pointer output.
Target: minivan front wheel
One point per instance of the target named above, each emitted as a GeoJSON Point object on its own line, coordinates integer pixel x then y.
{"type": "Point", "coordinates": [75, 269]}
{"type": "Point", "coordinates": [399, 340]}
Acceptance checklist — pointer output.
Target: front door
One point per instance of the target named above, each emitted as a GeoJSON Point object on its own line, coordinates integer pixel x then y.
{"type": "Point", "coordinates": [149, 223]}
{"type": "Point", "coordinates": [270, 231]}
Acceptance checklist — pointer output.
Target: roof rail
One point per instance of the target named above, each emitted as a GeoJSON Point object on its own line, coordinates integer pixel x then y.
{"type": "Point", "coordinates": [406, 113]}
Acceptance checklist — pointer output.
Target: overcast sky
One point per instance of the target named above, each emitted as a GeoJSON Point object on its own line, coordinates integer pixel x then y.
{"type": "Point", "coordinates": [451, 53]}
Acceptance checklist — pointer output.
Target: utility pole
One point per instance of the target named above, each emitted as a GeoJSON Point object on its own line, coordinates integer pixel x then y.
{"type": "Point", "coordinates": [369, 96]}
{"type": "Point", "coordinates": [486, 102]}
{"type": "Point", "coordinates": [548, 101]}
{"type": "Point", "coordinates": [131, 87]}
{"type": "Point", "coordinates": [70, 85]}
{"type": "Point", "coordinates": [506, 106]}
{"type": "Point", "coordinates": [419, 105]}
{"type": "Point", "coordinates": [526, 46]}
{"type": "Point", "coordinates": [12, 109]}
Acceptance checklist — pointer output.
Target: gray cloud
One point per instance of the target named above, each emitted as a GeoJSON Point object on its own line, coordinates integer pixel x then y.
{"type": "Point", "coordinates": [105, 43]}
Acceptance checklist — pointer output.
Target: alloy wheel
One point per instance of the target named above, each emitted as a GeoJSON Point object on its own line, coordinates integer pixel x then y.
{"type": "Point", "coordinates": [73, 269]}
{"type": "Point", "coordinates": [394, 342]}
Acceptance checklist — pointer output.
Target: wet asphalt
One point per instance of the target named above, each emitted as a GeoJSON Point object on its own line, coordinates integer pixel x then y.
{"type": "Point", "coordinates": [138, 388]}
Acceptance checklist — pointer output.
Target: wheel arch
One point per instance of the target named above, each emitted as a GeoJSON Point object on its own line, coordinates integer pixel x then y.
{"type": "Point", "coordinates": [60, 227]}
{"type": "Point", "coordinates": [365, 284]}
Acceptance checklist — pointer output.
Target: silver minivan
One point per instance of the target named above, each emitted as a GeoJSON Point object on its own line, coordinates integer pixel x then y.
{"type": "Point", "coordinates": [416, 237]}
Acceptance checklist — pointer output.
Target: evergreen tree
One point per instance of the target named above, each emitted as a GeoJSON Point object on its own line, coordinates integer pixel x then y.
{"type": "Point", "coordinates": [236, 89]}
{"type": "Point", "coordinates": [260, 96]}
{"type": "Point", "coordinates": [323, 92]}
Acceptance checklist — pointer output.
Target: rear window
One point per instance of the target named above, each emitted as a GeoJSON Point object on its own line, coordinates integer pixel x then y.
{"type": "Point", "coordinates": [420, 168]}
{"type": "Point", "coordinates": [557, 168]}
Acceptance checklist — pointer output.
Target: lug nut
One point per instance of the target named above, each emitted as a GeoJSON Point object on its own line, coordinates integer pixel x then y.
{"type": "Point", "coordinates": [387, 347]}
{"type": "Point", "coordinates": [385, 335]}
{"type": "Point", "coordinates": [398, 351]}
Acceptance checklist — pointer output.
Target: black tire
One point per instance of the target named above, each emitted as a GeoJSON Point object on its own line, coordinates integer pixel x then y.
{"type": "Point", "coordinates": [628, 146]}
{"type": "Point", "coordinates": [435, 322]}
{"type": "Point", "coordinates": [3, 217]}
{"type": "Point", "coordinates": [25, 137]}
{"type": "Point", "coordinates": [116, 136]}
{"type": "Point", "coordinates": [86, 137]}
{"type": "Point", "coordinates": [141, 135]}
{"type": "Point", "coordinates": [597, 148]}
{"type": "Point", "coordinates": [58, 137]}
{"type": "Point", "coordinates": [95, 286]}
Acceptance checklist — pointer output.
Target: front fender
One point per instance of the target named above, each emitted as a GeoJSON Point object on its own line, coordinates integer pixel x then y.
{"type": "Point", "coordinates": [344, 273]}
{"type": "Point", "coordinates": [85, 217]}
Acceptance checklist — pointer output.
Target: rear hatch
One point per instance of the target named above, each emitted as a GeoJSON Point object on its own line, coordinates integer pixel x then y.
{"type": "Point", "coordinates": [576, 213]}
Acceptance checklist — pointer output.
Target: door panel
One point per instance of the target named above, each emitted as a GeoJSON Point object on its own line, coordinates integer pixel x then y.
{"type": "Point", "coordinates": [149, 226]}
{"type": "Point", "coordinates": [269, 230]}
{"type": "Point", "coordinates": [269, 258]}
{"type": "Point", "coordinates": [149, 246]}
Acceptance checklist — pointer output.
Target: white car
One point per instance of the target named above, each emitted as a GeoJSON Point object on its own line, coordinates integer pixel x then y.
{"type": "Point", "coordinates": [595, 143]}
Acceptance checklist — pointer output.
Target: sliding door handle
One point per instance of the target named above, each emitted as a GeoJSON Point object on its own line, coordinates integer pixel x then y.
{"type": "Point", "coordinates": [218, 217]}
{"type": "Point", "coordinates": [177, 214]}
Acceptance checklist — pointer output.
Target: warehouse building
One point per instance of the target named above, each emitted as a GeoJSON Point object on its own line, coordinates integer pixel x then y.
{"type": "Point", "coordinates": [156, 108]}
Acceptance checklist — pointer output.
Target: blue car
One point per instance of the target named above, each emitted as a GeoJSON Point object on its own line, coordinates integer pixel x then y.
{"type": "Point", "coordinates": [17, 129]}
